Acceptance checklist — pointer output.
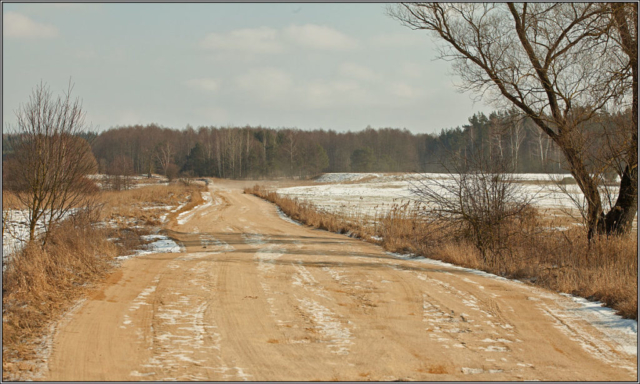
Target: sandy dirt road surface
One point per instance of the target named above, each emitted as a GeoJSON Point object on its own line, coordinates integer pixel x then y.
{"type": "Point", "coordinates": [257, 298]}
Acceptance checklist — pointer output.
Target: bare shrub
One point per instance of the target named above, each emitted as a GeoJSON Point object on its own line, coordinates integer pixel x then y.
{"type": "Point", "coordinates": [172, 171]}
{"type": "Point", "coordinates": [119, 173]}
{"type": "Point", "coordinates": [51, 160]}
{"type": "Point", "coordinates": [479, 201]}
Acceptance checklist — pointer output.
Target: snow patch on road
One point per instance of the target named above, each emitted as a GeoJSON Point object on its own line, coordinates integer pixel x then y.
{"type": "Point", "coordinates": [267, 257]}
{"type": "Point", "coordinates": [305, 279]}
{"type": "Point", "coordinates": [162, 244]}
{"type": "Point", "coordinates": [338, 336]}
{"type": "Point", "coordinates": [623, 331]}
{"type": "Point", "coordinates": [218, 246]}
{"type": "Point", "coordinates": [254, 238]}
{"type": "Point", "coordinates": [184, 217]}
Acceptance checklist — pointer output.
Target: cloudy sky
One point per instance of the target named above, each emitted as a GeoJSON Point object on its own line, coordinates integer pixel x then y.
{"type": "Point", "coordinates": [331, 66]}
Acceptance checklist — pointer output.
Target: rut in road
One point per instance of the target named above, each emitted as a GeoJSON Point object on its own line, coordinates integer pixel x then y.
{"type": "Point", "coordinates": [258, 298]}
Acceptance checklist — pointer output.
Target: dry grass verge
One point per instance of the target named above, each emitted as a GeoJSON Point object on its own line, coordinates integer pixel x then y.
{"type": "Point", "coordinates": [605, 270]}
{"type": "Point", "coordinates": [39, 284]}
{"type": "Point", "coordinates": [10, 200]}
{"type": "Point", "coordinates": [135, 203]}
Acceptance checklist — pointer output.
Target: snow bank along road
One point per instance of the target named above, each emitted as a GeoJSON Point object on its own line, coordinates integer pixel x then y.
{"type": "Point", "coordinates": [257, 298]}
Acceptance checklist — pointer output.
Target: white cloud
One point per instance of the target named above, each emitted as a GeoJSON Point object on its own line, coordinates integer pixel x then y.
{"type": "Point", "coordinates": [334, 93]}
{"type": "Point", "coordinates": [319, 37]}
{"type": "Point", "coordinates": [205, 84]}
{"type": "Point", "coordinates": [407, 39]}
{"type": "Point", "coordinates": [86, 54]}
{"type": "Point", "coordinates": [18, 25]}
{"type": "Point", "coordinates": [357, 71]}
{"type": "Point", "coordinates": [211, 114]}
{"type": "Point", "coordinates": [403, 90]}
{"type": "Point", "coordinates": [251, 40]}
{"type": "Point", "coordinates": [267, 40]}
{"type": "Point", "coordinates": [269, 84]}
{"type": "Point", "coordinates": [411, 69]}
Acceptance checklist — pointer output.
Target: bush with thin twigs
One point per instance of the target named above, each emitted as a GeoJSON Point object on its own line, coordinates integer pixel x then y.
{"type": "Point", "coordinates": [605, 270]}
{"type": "Point", "coordinates": [480, 201]}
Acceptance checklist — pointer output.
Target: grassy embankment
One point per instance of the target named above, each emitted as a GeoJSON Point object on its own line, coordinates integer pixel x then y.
{"type": "Point", "coordinates": [563, 261]}
{"type": "Point", "coordinates": [40, 283]}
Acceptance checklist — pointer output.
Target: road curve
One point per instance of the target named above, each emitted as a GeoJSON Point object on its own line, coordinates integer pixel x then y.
{"type": "Point", "coordinates": [261, 299]}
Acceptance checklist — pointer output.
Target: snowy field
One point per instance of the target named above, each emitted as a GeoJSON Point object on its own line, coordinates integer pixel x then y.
{"type": "Point", "coordinates": [16, 230]}
{"type": "Point", "coordinates": [371, 193]}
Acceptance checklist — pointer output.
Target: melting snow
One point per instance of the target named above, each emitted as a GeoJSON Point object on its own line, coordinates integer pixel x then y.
{"type": "Point", "coordinates": [284, 217]}
{"type": "Point", "coordinates": [162, 244]}
{"type": "Point", "coordinates": [337, 335]}
{"type": "Point", "coordinates": [184, 217]}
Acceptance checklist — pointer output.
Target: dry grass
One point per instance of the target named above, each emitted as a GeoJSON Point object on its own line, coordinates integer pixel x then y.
{"type": "Point", "coordinates": [605, 270]}
{"type": "Point", "coordinates": [119, 206]}
{"type": "Point", "coordinates": [10, 201]}
{"type": "Point", "coordinates": [39, 284]}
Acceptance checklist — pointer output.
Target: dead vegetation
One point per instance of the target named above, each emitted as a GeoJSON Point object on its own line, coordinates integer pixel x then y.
{"type": "Point", "coordinates": [40, 282]}
{"type": "Point", "coordinates": [10, 201]}
{"type": "Point", "coordinates": [562, 260]}
{"type": "Point", "coordinates": [121, 206]}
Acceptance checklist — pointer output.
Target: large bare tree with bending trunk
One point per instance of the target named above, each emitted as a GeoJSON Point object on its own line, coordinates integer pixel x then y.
{"type": "Point", "coordinates": [558, 63]}
{"type": "Point", "coordinates": [51, 160]}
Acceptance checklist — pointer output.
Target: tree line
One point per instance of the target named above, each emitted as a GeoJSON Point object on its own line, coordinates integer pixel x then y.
{"type": "Point", "coordinates": [260, 152]}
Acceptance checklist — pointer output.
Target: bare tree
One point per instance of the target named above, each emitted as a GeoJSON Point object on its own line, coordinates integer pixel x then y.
{"type": "Point", "coordinates": [558, 63]}
{"type": "Point", "coordinates": [119, 173]}
{"type": "Point", "coordinates": [516, 137]}
{"type": "Point", "coordinates": [291, 148]}
{"type": "Point", "coordinates": [52, 160]}
{"type": "Point", "coordinates": [164, 155]}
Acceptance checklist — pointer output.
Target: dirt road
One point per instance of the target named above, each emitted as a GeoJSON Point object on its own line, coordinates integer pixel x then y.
{"type": "Point", "coordinates": [258, 298]}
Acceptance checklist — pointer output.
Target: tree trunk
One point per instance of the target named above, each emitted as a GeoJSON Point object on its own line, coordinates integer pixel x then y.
{"type": "Point", "coordinates": [32, 230]}
{"type": "Point", "coordinates": [588, 186]}
{"type": "Point", "coordinates": [620, 219]}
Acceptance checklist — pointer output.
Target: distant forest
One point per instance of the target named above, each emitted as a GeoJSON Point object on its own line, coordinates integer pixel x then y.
{"type": "Point", "coordinates": [259, 152]}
